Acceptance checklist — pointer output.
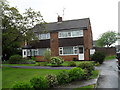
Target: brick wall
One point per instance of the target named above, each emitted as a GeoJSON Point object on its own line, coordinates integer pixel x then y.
{"type": "Point", "coordinates": [54, 44]}
{"type": "Point", "coordinates": [69, 57]}
{"type": "Point", "coordinates": [87, 42]}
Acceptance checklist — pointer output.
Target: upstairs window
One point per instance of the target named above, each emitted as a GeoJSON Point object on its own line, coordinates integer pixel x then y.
{"type": "Point", "coordinates": [69, 34]}
{"type": "Point", "coordinates": [44, 36]}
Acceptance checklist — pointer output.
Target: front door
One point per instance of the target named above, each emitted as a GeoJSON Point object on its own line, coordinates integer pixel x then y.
{"type": "Point", "coordinates": [81, 53]}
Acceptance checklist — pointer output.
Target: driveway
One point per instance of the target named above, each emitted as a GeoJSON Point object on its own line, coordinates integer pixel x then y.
{"type": "Point", "coordinates": [108, 75]}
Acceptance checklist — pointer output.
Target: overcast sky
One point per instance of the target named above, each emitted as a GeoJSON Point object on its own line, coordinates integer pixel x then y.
{"type": "Point", "coordinates": [103, 14]}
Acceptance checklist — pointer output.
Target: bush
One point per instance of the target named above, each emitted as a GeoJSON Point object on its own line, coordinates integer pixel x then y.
{"type": "Point", "coordinates": [33, 58]}
{"type": "Point", "coordinates": [39, 83]}
{"type": "Point", "coordinates": [30, 61]}
{"type": "Point", "coordinates": [41, 64]}
{"type": "Point", "coordinates": [63, 77]}
{"type": "Point", "coordinates": [15, 59]}
{"type": "Point", "coordinates": [71, 63]}
{"type": "Point", "coordinates": [56, 61]}
{"type": "Point", "coordinates": [21, 86]}
{"type": "Point", "coordinates": [47, 55]}
{"type": "Point", "coordinates": [98, 57]}
{"type": "Point", "coordinates": [76, 73]}
{"type": "Point", "coordinates": [52, 80]}
{"type": "Point", "coordinates": [88, 65]}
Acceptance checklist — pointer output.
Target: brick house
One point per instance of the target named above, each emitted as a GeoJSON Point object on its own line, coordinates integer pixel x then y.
{"type": "Point", "coordinates": [67, 39]}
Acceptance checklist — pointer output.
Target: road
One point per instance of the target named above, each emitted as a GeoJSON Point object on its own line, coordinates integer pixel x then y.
{"type": "Point", "coordinates": [109, 76]}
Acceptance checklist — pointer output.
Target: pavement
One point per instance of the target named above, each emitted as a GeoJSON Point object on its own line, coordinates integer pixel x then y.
{"type": "Point", "coordinates": [109, 76]}
{"type": "Point", "coordinates": [38, 67]}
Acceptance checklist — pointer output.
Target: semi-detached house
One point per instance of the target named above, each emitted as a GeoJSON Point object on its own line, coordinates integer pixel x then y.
{"type": "Point", "coordinates": [71, 39]}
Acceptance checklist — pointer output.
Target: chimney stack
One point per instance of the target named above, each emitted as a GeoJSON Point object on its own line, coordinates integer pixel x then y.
{"type": "Point", "coordinates": [59, 19]}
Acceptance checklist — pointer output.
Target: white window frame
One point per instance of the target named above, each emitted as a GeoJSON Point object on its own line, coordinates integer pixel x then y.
{"type": "Point", "coordinates": [74, 48]}
{"type": "Point", "coordinates": [70, 36]}
{"type": "Point", "coordinates": [28, 52]}
{"type": "Point", "coordinates": [47, 36]}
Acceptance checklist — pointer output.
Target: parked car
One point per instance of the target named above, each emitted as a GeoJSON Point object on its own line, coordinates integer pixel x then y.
{"type": "Point", "coordinates": [118, 57]}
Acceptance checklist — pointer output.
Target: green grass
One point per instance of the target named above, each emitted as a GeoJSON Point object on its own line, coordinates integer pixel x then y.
{"type": "Point", "coordinates": [89, 87]}
{"type": "Point", "coordinates": [110, 57]}
{"type": "Point", "coordinates": [12, 75]}
{"type": "Point", "coordinates": [20, 64]}
{"type": "Point", "coordinates": [95, 74]}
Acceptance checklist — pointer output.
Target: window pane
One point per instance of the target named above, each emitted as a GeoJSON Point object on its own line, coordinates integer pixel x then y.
{"type": "Point", "coordinates": [69, 34]}
{"type": "Point", "coordinates": [80, 49]}
{"type": "Point", "coordinates": [64, 34]}
{"type": "Point", "coordinates": [42, 36]}
{"type": "Point", "coordinates": [76, 33]}
{"type": "Point", "coordinates": [48, 36]}
{"type": "Point", "coordinates": [67, 50]}
{"type": "Point", "coordinates": [41, 51]}
{"type": "Point", "coordinates": [28, 52]}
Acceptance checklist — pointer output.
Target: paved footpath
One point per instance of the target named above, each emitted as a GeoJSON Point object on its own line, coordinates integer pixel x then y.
{"type": "Point", "coordinates": [108, 75]}
{"type": "Point", "coordinates": [39, 67]}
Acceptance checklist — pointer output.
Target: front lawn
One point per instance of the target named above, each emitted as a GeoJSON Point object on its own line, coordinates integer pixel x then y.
{"type": "Point", "coordinates": [11, 75]}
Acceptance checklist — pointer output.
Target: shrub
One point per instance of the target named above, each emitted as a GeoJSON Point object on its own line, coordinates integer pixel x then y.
{"type": "Point", "coordinates": [52, 80]}
{"type": "Point", "coordinates": [33, 58]}
{"type": "Point", "coordinates": [76, 73]}
{"type": "Point", "coordinates": [98, 57]}
{"type": "Point", "coordinates": [30, 61]}
{"type": "Point", "coordinates": [71, 63]}
{"type": "Point", "coordinates": [47, 55]}
{"type": "Point", "coordinates": [63, 77]}
{"type": "Point", "coordinates": [56, 61]}
{"type": "Point", "coordinates": [21, 86]}
{"type": "Point", "coordinates": [39, 83]}
{"type": "Point", "coordinates": [41, 64]}
{"type": "Point", "coordinates": [14, 59]}
{"type": "Point", "coordinates": [88, 65]}
{"type": "Point", "coordinates": [86, 74]}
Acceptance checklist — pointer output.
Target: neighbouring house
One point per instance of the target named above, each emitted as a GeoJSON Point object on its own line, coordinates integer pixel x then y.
{"type": "Point", "coordinates": [70, 39]}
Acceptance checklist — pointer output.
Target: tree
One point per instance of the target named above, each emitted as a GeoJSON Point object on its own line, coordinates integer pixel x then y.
{"type": "Point", "coordinates": [107, 39]}
{"type": "Point", "coordinates": [16, 28]}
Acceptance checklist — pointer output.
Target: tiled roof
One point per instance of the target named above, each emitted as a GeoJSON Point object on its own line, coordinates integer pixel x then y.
{"type": "Point", "coordinates": [64, 25]}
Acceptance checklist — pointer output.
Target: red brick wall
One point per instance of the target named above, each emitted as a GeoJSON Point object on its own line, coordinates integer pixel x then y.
{"type": "Point", "coordinates": [40, 58]}
{"type": "Point", "coordinates": [69, 57]}
{"type": "Point", "coordinates": [65, 57]}
{"type": "Point", "coordinates": [54, 45]}
{"type": "Point", "coordinates": [87, 42]}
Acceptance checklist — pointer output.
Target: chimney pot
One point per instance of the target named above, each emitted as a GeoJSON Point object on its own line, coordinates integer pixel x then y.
{"type": "Point", "coordinates": [59, 19]}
